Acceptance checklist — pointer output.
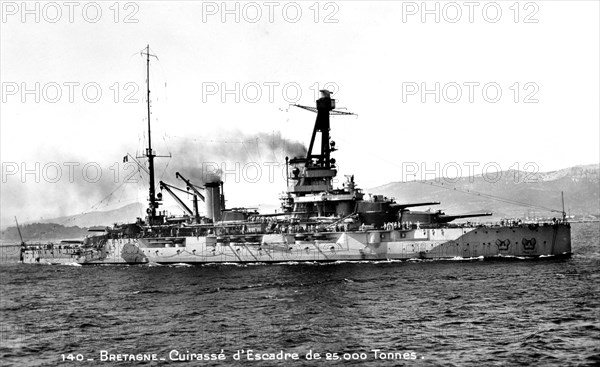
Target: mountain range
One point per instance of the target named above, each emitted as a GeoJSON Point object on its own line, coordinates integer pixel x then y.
{"type": "Point", "coordinates": [72, 226]}
{"type": "Point", "coordinates": [507, 194]}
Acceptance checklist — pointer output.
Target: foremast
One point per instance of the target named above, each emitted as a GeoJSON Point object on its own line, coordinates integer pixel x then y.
{"type": "Point", "coordinates": [153, 202]}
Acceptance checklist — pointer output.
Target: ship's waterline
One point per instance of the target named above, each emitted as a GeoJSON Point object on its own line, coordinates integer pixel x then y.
{"type": "Point", "coordinates": [439, 243]}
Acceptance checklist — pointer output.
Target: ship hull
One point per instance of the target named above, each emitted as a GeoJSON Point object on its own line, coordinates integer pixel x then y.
{"type": "Point", "coordinates": [375, 245]}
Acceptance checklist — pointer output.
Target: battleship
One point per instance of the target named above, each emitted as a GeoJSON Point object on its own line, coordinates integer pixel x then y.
{"type": "Point", "coordinates": [317, 223]}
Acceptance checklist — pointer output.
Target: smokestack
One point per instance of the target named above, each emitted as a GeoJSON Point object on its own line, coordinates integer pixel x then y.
{"type": "Point", "coordinates": [213, 200]}
{"type": "Point", "coordinates": [222, 197]}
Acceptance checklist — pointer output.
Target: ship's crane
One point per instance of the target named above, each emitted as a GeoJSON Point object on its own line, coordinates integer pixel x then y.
{"type": "Point", "coordinates": [170, 188]}
{"type": "Point", "coordinates": [191, 186]}
{"type": "Point", "coordinates": [194, 188]}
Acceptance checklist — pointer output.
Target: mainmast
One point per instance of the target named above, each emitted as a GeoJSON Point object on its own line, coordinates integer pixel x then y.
{"type": "Point", "coordinates": [19, 230]}
{"type": "Point", "coordinates": [314, 173]}
{"type": "Point", "coordinates": [564, 214]}
{"type": "Point", "coordinates": [149, 154]}
{"type": "Point", "coordinates": [325, 107]}
{"type": "Point", "coordinates": [22, 242]}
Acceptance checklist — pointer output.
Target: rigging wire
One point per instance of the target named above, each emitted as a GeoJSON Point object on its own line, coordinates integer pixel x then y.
{"type": "Point", "coordinates": [470, 192]}
{"type": "Point", "coordinates": [489, 196]}
{"type": "Point", "coordinates": [246, 149]}
{"type": "Point", "coordinates": [258, 150]}
{"type": "Point", "coordinates": [165, 169]}
{"type": "Point", "coordinates": [94, 207]}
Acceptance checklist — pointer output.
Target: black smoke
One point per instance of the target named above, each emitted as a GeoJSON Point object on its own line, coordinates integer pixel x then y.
{"type": "Point", "coordinates": [44, 195]}
{"type": "Point", "coordinates": [201, 159]}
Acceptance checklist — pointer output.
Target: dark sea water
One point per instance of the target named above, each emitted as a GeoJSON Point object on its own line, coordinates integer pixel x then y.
{"type": "Point", "coordinates": [463, 313]}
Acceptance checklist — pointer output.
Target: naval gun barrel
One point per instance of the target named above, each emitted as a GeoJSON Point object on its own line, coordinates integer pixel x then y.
{"type": "Point", "coordinates": [449, 218]}
{"type": "Point", "coordinates": [410, 205]}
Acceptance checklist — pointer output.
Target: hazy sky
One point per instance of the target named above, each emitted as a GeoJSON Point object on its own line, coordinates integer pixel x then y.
{"type": "Point", "coordinates": [71, 76]}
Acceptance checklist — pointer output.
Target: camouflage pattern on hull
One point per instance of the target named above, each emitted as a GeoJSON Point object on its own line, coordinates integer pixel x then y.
{"type": "Point", "coordinates": [429, 243]}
